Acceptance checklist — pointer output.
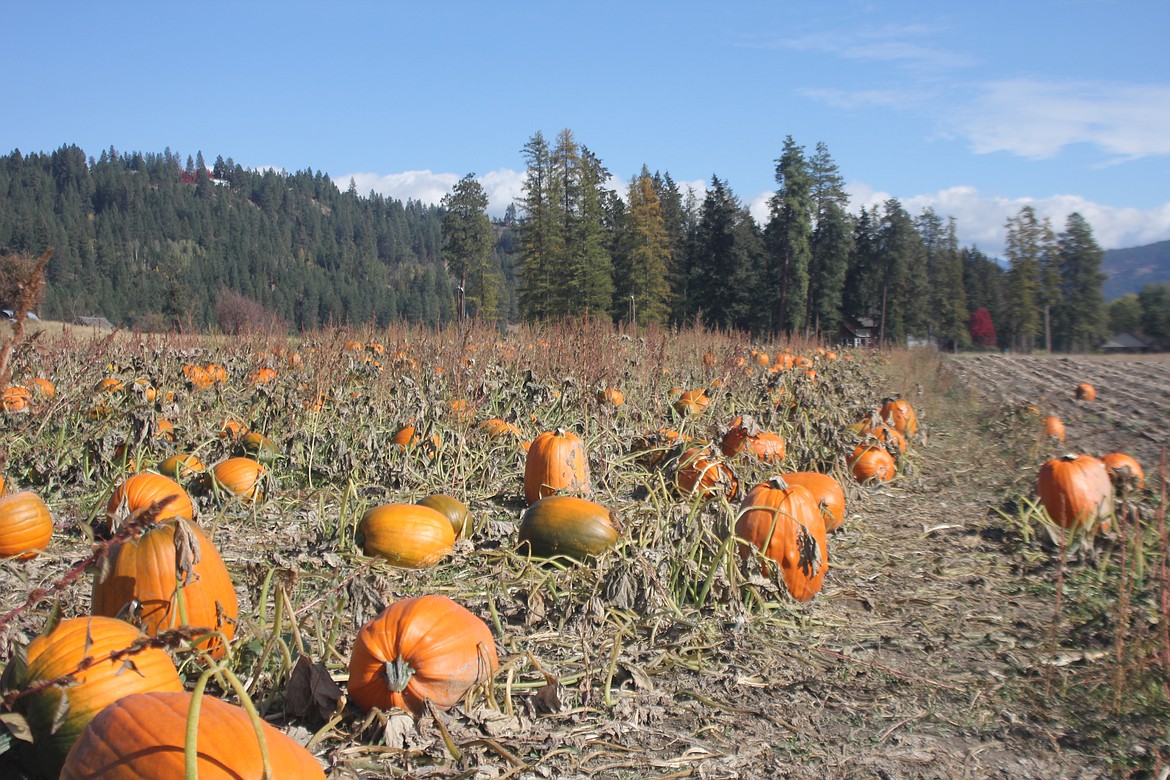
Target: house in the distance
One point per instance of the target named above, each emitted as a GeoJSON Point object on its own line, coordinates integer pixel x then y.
{"type": "Point", "coordinates": [1123, 343]}
{"type": "Point", "coordinates": [858, 332]}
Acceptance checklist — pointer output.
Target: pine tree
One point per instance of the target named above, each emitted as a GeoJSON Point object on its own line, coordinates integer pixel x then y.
{"type": "Point", "coordinates": [727, 254]}
{"type": "Point", "coordinates": [641, 277]}
{"type": "Point", "coordinates": [831, 245]}
{"type": "Point", "coordinates": [468, 238]}
{"type": "Point", "coordinates": [537, 228]}
{"type": "Point", "coordinates": [788, 235]}
{"type": "Point", "coordinates": [1081, 310]}
{"type": "Point", "coordinates": [1029, 287]}
{"type": "Point", "coordinates": [947, 313]}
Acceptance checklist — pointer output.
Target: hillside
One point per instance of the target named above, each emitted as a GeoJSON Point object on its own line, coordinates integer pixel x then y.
{"type": "Point", "coordinates": [1132, 268]}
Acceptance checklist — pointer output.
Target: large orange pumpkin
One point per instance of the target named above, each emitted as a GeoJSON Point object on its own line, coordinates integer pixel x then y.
{"type": "Point", "coordinates": [419, 649]}
{"type": "Point", "coordinates": [783, 522]}
{"type": "Point", "coordinates": [827, 492]}
{"type": "Point", "coordinates": [145, 571]}
{"type": "Point", "coordinates": [569, 526]}
{"type": "Point", "coordinates": [1076, 491]}
{"type": "Point", "coordinates": [692, 402]}
{"type": "Point", "coordinates": [556, 461]}
{"type": "Point", "coordinates": [871, 463]}
{"type": "Point", "coordinates": [142, 490]}
{"type": "Point", "coordinates": [898, 414]}
{"type": "Point", "coordinates": [83, 658]}
{"type": "Point", "coordinates": [144, 736]}
{"type": "Point", "coordinates": [406, 535]}
{"type": "Point", "coordinates": [25, 525]}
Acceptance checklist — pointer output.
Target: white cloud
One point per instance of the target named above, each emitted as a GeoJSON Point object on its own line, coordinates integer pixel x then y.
{"type": "Point", "coordinates": [980, 218]}
{"type": "Point", "coordinates": [425, 186]}
{"type": "Point", "coordinates": [887, 43]}
{"type": "Point", "coordinates": [1038, 119]}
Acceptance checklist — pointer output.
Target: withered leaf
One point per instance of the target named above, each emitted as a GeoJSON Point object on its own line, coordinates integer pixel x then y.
{"type": "Point", "coordinates": [311, 691]}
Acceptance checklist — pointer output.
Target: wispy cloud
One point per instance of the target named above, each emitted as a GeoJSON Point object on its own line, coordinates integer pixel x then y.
{"type": "Point", "coordinates": [898, 98]}
{"type": "Point", "coordinates": [908, 45]}
{"type": "Point", "coordinates": [1038, 119]}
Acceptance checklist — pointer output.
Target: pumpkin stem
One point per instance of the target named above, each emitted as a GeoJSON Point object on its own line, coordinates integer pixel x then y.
{"type": "Point", "coordinates": [776, 481]}
{"type": "Point", "coordinates": [398, 674]}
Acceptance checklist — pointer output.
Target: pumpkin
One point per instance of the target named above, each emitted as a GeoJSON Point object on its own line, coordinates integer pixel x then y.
{"type": "Point", "coordinates": [142, 490]}
{"type": "Point", "coordinates": [1124, 469]}
{"type": "Point", "coordinates": [142, 388]}
{"type": "Point", "coordinates": [164, 429]}
{"type": "Point", "coordinates": [181, 466]}
{"type": "Point", "coordinates": [1086, 392]}
{"type": "Point", "coordinates": [1054, 428]}
{"type": "Point", "coordinates": [407, 535]}
{"type": "Point", "coordinates": [496, 427]}
{"type": "Point", "coordinates": [426, 648]}
{"type": "Point", "coordinates": [898, 414]}
{"type": "Point", "coordinates": [198, 377]}
{"type": "Point", "coordinates": [783, 522]}
{"type": "Point", "coordinates": [242, 477]}
{"type": "Point", "coordinates": [43, 386]}
{"type": "Point", "coordinates": [745, 436]}
{"type": "Point", "coordinates": [25, 525]}
{"type": "Point", "coordinates": [692, 402]}
{"type": "Point", "coordinates": [144, 735]}
{"type": "Point", "coordinates": [611, 396]}
{"type": "Point", "coordinates": [15, 399]}
{"type": "Point", "coordinates": [453, 509]}
{"type": "Point", "coordinates": [868, 462]}
{"type": "Point", "coordinates": [148, 572]}
{"type": "Point", "coordinates": [886, 434]}
{"type": "Point", "coordinates": [1076, 491]}
{"type": "Point", "coordinates": [259, 447]}
{"type": "Point", "coordinates": [262, 376]}
{"type": "Point", "coordinates": [556, 461]}
{"type": "Point", "coordinates": [110, 385]}
{"type": "Point", "coordinates": [406, 437]}
{"type": "Point", "coordinates": [88, 653]}
{"type": "Point", "coordinates": [826, 491]}
{"type": "Point", "coordinates": [700, 473]}
{"type": "Point", "coordinates": [652, 447]}
{"type": "Point", "coordinates": [567, 525]}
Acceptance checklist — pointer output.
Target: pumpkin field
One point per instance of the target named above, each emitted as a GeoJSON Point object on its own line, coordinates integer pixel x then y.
{"type": "Point", "coordinates": [573, 552]}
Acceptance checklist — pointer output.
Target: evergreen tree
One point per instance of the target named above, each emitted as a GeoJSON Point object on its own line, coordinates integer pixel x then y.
{"type": "Point", "coordinates": [468, 238]}
{"type": "Point", "coordinates": [1081, 310]}
{"type": "Point", "coordinates": [983, 283]}
{"type": "Point", "coordinates": [788, 238]}
{"type": "Point", "coordinates": [1155, 303]}
{"type": "Point", "coordinates": [727, 254]}
{"type": "Point", "coordinates": [947, 313]}
{"type": "Point", "coordinates": [1125, 314]}
{"type": "Point", "coordinates": [903, 282]}
{"type": "Point", "coordinates": [831, 245]}
{"type": "Point", "coordinates": [537, 232]}
{"type": "Point", "coordinates": [640, 278]}
{"type": "Point", "coordinates": [1029, 286]}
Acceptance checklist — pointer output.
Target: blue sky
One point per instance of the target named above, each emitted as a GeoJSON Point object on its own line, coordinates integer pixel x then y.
{"type": "Point", "coordinates": [973, 108]}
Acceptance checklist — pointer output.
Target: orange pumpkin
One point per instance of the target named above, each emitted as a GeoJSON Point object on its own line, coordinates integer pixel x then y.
{"type": "Point", "coordinates": [871, 463]}
{"type": "Point", "coordinates": [692, 402]}
{"type": "Point", "coordinates": [407, 535]}
{"type": "Point", "coordinates": [611, 396]}
{"type": "Point", "coordinates": [146, 571]}
{"type": "Point", "coordinates": [1086, 392]}
{"type": "Point", "coordinates": [43, 386]}
{"type": "Point", "coordinates": [181, 466]}
{"type": "Point", "coordinates": [426, 648]}
{"type": "Point", "coordinates": [87, 661]}
{"type": "Point", "coordinates": [1124, 469]}
{"type": "Point", "coordinates": [496, 427]}
{"type": "Point", "coordinates": [745, 436]}
{"type": "Point", "coordinates": [1076, 491]}
{"type": "Point", "coordinates": [142, 490]}
{"type": "Point", "coordinates": [1054, 428]}
{"type": "Point", "coordinates": [569, 526]}
{"type": "Point", "coordinates": [242, 477]}
{"type": "Point", "coordinates": [653, 447]}
{"type": "Point", "coordinates": [556, 461]}
{"type": "Point", "coordinates": [145, 734]}
{"type": "Point", "coordinates": [262, 376]}
{"type": "Point", "coordinates": [898, 414]}
{"type": "Point", "coordinates": [701, 473]}
{"type": "Point", "coordinates": [826, 491]}
{"type": "Point", "coordinates": [884, 433]}
{"type": "Point", "coordinates": [783, 522]}
{"type": "Point", "coordinates": [15, 399]}
{"type": "Point", "coordinates": [25, 525]}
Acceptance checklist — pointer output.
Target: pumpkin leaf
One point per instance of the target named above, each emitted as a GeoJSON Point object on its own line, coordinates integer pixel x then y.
{"type": "Point", "coordinates": [15, 728]}
{"type": "Point", "coordinates": [311, 692]}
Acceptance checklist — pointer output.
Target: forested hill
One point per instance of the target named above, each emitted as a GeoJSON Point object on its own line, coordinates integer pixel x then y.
{"type": "Point", "coordinates": [1131, 269]}
{"type": "Point", "coordinates": [149, 241]}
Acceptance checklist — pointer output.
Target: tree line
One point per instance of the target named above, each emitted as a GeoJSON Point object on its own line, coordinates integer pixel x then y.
{"type": "Point", "coordinates": [150, 241]}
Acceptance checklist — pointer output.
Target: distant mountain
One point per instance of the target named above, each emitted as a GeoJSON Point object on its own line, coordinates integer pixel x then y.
{"type": "Point", "coordinates": [1131, 269]}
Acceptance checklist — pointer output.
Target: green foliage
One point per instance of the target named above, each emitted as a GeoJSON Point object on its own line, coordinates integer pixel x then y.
{"type": "Point", "coordinates": [1155, 303]}
{"type": "Point", "coordinates": [788, 236]}
{"type": "Point", "coordinates": [1125, 314]}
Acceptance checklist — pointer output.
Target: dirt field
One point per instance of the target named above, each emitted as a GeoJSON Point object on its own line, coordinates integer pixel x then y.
{"type": "Point", "coordinates": [935, 650]}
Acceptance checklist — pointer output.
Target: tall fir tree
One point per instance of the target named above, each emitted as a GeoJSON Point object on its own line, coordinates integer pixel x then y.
{"type": "Point", "coordinates": [726, 257]}
{"type": "Point", "coordinates": [1081, 315]}
{"type": "Point", "coordinates": [1029, 284]}
{"type": "Point", "coordinates": [537, 228]}
{"type": "Point", "coordinates": [947, 312]}
{"type": "Point", "coordinates": [640, 279]}
{"type": "Point", "coordinates": [788, 237]}
{"type": "Point", "coordinates": [831, 244]}
{"type": "Point", "coordinates": [468, 239]}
